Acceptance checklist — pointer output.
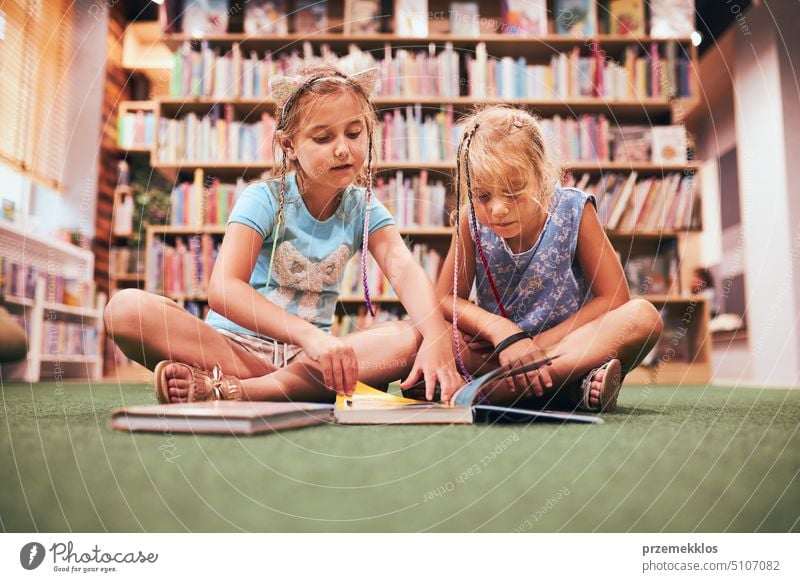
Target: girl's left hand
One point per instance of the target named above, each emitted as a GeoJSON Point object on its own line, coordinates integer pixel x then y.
{"type": "Point", "coordinates": [435, 362]}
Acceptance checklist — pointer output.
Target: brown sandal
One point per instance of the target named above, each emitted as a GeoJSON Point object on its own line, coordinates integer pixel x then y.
{"type": "Point", "coordinates": [214, 386]}
{"type": "Point", "coordinates": [610, 386]}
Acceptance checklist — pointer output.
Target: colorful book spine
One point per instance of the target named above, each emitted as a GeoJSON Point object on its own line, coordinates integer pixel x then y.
{"type": "Point", "coordinates": [664, 202]}
{"type": "Point", "coordinates": [181, 268]}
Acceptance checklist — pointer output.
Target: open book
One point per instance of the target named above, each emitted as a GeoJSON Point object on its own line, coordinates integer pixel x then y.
{"type": "Point", "coordinates": [370, 406]}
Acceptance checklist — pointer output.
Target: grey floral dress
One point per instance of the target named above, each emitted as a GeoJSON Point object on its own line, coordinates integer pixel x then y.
{"type": "Point", "coordinates": [544, 285]}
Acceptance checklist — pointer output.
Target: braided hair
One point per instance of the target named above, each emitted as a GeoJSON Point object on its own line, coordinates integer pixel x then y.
{"type": "Point", "coordinates": [323, 80]}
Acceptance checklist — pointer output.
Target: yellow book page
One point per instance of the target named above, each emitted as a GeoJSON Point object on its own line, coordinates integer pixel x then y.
{"type": "Point", "coordinates": [369, 396]}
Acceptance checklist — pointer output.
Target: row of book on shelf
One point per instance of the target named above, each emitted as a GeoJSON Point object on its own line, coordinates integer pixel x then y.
{"type": "Point", "coordinates": [62, 338]}
{"type": "Point", "coordinates": [125, 260]}
{"type": "Point", "coordinates": [135, 129]}
{"type": "Point", "coordinates": [662, 18]}
{"type": "Point", "coordinates": [414, 202]}
{"type": "Point", "coordinates": [412, 134]}
{"type": "Point", "coordinates": [660, 70]}
{"type": "Point", "coordinates": [352, 282]}
{"type": "Point", "coordinates": [627, 202]}
{"type": "Point", "coordinates": [216, 137]}
{"type": "Point", "coordinates": [18, 280]}
{"type": "Point", "coordinates": [181, 267]}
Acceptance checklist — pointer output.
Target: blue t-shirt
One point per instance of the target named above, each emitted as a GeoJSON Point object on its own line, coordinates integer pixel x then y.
{"type": "Point", "coordinates": [310, 256]}
{"type": "Point", "coordinates": [544, 285]}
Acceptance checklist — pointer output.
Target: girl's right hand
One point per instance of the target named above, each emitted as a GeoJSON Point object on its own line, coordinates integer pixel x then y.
{"type": "Point", "coordinates": [337, 360]}
{"type": "Point", "coordinates": [519, 354]}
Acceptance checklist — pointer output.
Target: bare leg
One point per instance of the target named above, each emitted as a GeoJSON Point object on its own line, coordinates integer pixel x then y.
{"type": "Point", "coordinates": [627, 333]}
{"type": "Point", "coordinates": [149, 328]}
{"type": "Point", "coordinates": [385, 353]}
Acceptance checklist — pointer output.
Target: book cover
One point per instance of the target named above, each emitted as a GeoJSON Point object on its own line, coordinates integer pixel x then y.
{"type": "Point", "coordinates": [669, 144]}
{"type": "Point", "coordinates": [576, 17]}
{"type": "Point", "coordinates": [524, 17]}
{"type": "Point", "coordinates": [266, 17]}
{"type": "Point", "coordinates": [203, 17]}
{"type": "Point", "coordinates": [622, 203]}
{"type": "Point", "coordinates": [310, 16]}
{"type": "Point", "coordinates": [671, 18]}
{"type": "Point", "coordinates": [221, 417]}
{"type": "Point", "coordinates": [626, 17]}
{"type": "Point", "coordinates": [362, 17]}
{"type": "Point", "coordinates": [464, 19]}
{"type": "Point", "coordinates": [631, 143]}
{"type": "Point", "coordinates": [411, 18]}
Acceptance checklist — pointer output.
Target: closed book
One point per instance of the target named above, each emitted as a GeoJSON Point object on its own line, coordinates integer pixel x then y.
{"type": "Point", "coordinates": [220, 417]}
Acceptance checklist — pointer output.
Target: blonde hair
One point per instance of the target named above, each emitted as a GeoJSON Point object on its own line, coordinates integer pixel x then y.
{"type": "Point", "coordinates": [319, 81]}
{"type": "Point", "coordinates": [507, 150]}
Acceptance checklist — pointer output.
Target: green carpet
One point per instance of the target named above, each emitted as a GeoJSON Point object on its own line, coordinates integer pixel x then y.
{"type": "Point", "coordinates": [671, 459]}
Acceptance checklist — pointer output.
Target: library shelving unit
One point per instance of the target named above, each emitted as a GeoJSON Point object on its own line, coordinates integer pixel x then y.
{"type": "Point", "coordinates": [52, 257]}
{"type": "Point", "coordinates": [690, 314]}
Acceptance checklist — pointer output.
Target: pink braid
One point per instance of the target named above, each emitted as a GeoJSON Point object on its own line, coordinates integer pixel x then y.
{"type": "Point", "coordinates": [365, 237]}
{"type": "Point", "coordinates": [459, 359]}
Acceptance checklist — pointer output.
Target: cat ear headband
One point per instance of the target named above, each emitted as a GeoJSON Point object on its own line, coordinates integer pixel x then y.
{"type": "Point", "coordinates": [285, 89]}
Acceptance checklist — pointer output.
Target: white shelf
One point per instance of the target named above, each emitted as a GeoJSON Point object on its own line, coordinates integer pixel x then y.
{"type": "Point", "coordinates": [51, 256]}
{"type": "Point", "coordinates": [34, 241]}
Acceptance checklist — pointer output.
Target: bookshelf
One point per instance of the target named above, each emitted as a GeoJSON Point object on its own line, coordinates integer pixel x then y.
{"type": "Point", "coordinates": [48, 287]}
{"type": "Point", "coordinates": [630, 242]}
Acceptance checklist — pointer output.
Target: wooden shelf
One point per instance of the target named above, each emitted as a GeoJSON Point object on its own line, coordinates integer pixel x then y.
{"type": "Point", "coordinates": [433, 231]}
{"type": "Point", "coordinates": [697, 372]}
{"type": "Point", "coordinates": [83, 312]}
{"type": "Point", "coordinates": [500, 44]}
{"type": "Point", "coordinates": [78, 359]}
{"type": "Point", "coordinates": [134, 150]}
{"type": "Point", "coordinates": [232, 170]}
{"type": "Point", "coordinates": [622, 108]}
{"type": "Point", "coordinates": [131, 104]}
{"type": "Point", "coordinates": [17, 301]}
{"type": "Point", "coordinates": [127, 277]}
